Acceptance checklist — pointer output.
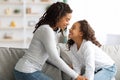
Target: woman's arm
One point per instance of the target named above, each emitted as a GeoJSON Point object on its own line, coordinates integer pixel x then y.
{"type": "Point", "coordinates": [47, 37]}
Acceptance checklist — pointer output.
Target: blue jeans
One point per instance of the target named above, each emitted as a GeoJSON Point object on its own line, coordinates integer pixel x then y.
{"type": "Point", "coordinates": [38, 75]}
{"type": "Point", "coordinates": [106, 73]}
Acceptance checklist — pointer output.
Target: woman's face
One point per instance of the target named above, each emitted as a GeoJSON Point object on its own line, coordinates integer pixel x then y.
{"type": "Point", "coordinates": [75, 32]}
{"type": "Point", "coordinates": [64, 21]}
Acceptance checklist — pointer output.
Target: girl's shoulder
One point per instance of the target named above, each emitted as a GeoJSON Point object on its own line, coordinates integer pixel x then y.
{"type": "Point", "coordinates": [89, 44]}
{"type": "Point", "coordinates": [85, 42]}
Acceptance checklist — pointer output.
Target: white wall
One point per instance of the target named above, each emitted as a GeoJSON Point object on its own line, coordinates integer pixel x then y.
{"type": "Point", "coordinates": [103, 15]}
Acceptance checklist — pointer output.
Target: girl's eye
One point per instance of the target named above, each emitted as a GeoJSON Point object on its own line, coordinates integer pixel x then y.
{"type": "Point", "coordinates": [67, 20]}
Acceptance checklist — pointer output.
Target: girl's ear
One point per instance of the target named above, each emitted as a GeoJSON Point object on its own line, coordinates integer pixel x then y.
{"type": "Point", "coordinates": [81, 33]}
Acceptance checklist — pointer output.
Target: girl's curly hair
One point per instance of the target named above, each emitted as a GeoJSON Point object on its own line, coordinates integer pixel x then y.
{"type": "Point", "coordinates": [88, 33]}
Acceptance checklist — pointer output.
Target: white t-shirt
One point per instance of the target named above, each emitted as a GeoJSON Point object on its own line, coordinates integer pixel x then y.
{"type": "Point", "coordinates": [43, 46]}
{"type": "Point", "coordinates": [90, 58]}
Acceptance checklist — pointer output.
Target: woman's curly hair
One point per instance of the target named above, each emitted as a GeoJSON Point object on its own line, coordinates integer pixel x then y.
{"type": "Point", "coordinates": [88, 34]}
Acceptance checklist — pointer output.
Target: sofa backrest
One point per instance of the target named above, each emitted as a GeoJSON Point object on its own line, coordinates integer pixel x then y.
{"type": "Point", "coordinates": [114, 53]}
{"type": "Point", "coordinates": [8, 59]}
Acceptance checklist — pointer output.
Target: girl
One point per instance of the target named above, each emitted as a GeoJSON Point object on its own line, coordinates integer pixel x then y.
{"type": "Point", "coordinates": [43, 45]}
{"type": "Point", "coordinates": [86, 53]}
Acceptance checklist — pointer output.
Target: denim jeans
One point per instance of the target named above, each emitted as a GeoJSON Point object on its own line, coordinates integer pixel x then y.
{"type": "Point", "coordinates": [106, 73]}
{"type": "Point", "coordinates": [38, 75]}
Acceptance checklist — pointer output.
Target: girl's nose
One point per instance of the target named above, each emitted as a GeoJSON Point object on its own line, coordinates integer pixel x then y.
{"type": "Point", "coordinates": [68, 23]}
{"type": "Point", "coordinates": [69, 30]}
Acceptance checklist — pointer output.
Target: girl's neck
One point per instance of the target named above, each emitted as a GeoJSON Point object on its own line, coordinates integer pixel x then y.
{"type": "Point", "coordinates": [78, 42]}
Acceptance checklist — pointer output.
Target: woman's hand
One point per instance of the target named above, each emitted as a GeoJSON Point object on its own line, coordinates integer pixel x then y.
{"type": "Point", "coordinates": [81, 78]}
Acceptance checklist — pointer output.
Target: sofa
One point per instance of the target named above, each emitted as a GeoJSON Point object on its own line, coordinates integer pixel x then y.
{"type": "Point", "coordinates": [9, 56]}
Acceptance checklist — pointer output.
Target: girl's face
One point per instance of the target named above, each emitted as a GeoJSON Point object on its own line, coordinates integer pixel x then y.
{"type": "Point", "coordinates": [75, 32]}
{"type": "Point", "coordinates": [64, 21]}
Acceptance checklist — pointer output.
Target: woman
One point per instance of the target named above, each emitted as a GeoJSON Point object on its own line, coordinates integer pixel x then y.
{"type": "Point", "coordinates": [86, 53]}
{"type": "Point", "coordinates": [43, 45]}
